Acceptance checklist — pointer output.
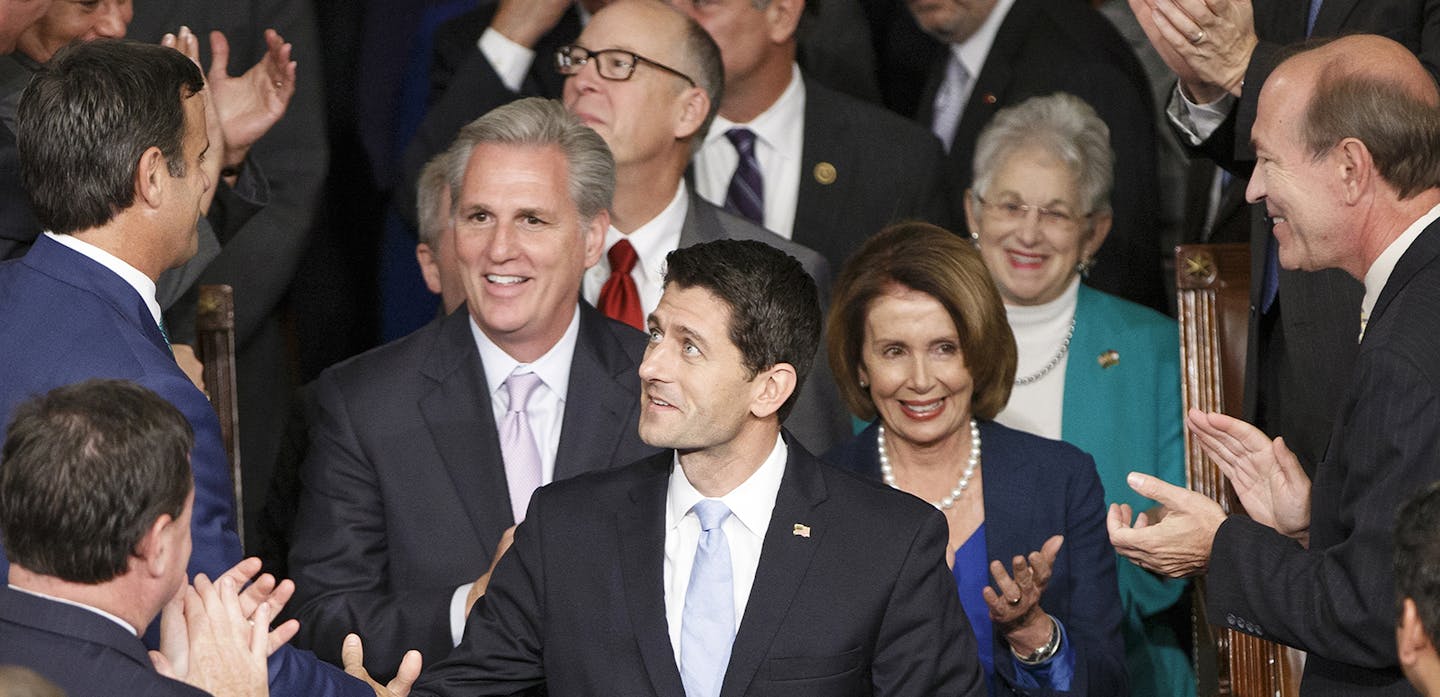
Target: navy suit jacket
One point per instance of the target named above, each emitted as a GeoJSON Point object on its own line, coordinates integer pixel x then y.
{"type": "Point", "coordinates": [1035, 488]}
{"type": "Point", "coordinates": [1335, 600]}
{"type": "Point", "coordinates": [86, 655]}
{"type": "Point", "coordinates": [404, 494]}
{"type": "Point", "coordinates": [860, 605]}
{"type": "Point", "coordinates": [65, 318]}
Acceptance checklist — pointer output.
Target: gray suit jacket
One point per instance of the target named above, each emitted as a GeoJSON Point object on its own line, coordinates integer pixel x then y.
{"type": "Point", "coordinates": [403, 491]}
{"type": "Point", "coordinates": [819, 420]}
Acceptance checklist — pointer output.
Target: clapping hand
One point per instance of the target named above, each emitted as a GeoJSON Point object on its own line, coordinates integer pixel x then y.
{"type": "Point", "coordinates": [1015, 607]}
{"type": "Point", "coordinates": [1266, 475]}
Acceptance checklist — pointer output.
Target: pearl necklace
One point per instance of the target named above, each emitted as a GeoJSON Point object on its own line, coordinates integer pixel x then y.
{"type": "Point", "coordinates": [1054, 360]}
{"type": "Point", "coordinates": [887, 472]}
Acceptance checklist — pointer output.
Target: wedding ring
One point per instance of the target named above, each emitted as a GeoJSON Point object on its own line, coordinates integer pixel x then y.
{"type": "Point", "coordinates": [1198, 37]}
{"type": "Point", "coordinates": [279, 84]}
{"type": "Point", "coordinates": [1013, 601]}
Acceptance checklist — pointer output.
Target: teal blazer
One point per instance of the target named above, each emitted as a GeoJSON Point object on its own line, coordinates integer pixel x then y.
{"type": "Point", "coordinates": [1122, 405]}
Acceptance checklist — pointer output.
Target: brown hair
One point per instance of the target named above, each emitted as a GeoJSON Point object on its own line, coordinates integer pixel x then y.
{"type": "Point", "coordinates": [934, 261]}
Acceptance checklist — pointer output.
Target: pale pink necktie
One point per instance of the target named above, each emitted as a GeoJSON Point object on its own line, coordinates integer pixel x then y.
{"type": "Point", "coordinates": [517, 443]}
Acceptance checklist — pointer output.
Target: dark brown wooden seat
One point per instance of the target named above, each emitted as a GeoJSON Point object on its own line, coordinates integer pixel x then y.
{"type": "Point", "coordinates": [215, 336]}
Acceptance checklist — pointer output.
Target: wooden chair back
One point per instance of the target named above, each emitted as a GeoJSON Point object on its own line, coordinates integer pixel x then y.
{"type": "Point", "coordinates": [215, 334]}
{"type": "Point", "coordinates": [1213, 285]}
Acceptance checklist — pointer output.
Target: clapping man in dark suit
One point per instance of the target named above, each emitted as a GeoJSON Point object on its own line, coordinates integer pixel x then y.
{"type": "Point", "coordinates": [1347, 138]}
{"type": "Point", "coordinates": [734, 562]}
{"type": "Point", "coordinates": [811, 164]}
{"type": "Point", "coordinates": [427, 449]}
{"type": "Point", "coordinates": [649, 80]}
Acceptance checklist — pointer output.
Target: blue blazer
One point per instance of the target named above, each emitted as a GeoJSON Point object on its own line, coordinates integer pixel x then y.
{"type": "Point", "coordinates": [1035, 488]}
{"type": "Point", "coordinates": [1127, 414]}
{"type": "Point", "coordinates": [65, 318]}
{"type": "Point", "coordinates": [86, 655]}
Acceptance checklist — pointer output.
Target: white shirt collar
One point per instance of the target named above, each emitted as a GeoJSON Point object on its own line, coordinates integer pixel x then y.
{"type": "Point", "coordinates": [652, 241]}
{"type": "Point", "coordinates": [973, 51]}
{"type": "Point", "coordinates": [752, 503]}
{"type": "Point", "coordinates": [781, 123]}
{"type": "Point", "coordinates": [65, 601]}
{"type": "Point", "coordinates": [1379, 272]}
{"type": "Point", "coordinates": [553, 367]}
{"type": "Point", "coordinates": [131, 275]}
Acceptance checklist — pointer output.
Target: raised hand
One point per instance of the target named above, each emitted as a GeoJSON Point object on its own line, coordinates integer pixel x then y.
{"type": "Point", "coordinates": [224, 653]}
{"type": "Point", "coordinates": [1207, 43]}
{"type": "Point", "coordinates": [1266, 475]}
{"type": "Point", "coordinates": [352, 655]}
{"type": "Point", "coordinates": [1180, 543]}
{"type": "Point", "coordinates": [525, 21]}
{"type": "Point", "coordinates": [1015, 606]}
{"type": "Point", "coordinates": [251, 103]}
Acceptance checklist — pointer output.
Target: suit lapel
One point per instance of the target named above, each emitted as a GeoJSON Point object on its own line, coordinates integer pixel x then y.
{"type": "Point", "coordinates": [641, 531]}
{"type": "Point", "coordinates": [1331, 20]}
{"type": "Point", "coordinates": [784, 560]}
{"type": "Point", "coordinates": [598, 405]}
{"type": "Point", "coordinates": [989, 92]}
{"type": "Point", "coordinates": [73, 268]}
{"type": "Point", "coordinates": [1420, 254]}
{"type": "Point", "coordinates": [819, 205]}
{"type": "Point", "coordinates": [462, 424]}
{"type": "Point", "coordinates": [700, 224]}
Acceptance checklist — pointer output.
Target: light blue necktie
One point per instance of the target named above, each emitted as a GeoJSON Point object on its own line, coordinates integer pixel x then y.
{"type": "Point", "coordinates": [707, 626]}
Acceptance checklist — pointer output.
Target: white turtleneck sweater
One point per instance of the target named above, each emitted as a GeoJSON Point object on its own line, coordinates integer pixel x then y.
{"type": "Point", "coordinates": [1039, 331]}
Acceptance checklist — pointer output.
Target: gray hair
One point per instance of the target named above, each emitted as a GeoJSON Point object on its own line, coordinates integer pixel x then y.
{"type": "Point", "coordinates": [434, 179]}
{"type": "Point", "coordinates": [1062, 125]}
{"type": "Point", "coordinates": [703, 55]}
{"type": "Point", "coordinates": [542, 123]}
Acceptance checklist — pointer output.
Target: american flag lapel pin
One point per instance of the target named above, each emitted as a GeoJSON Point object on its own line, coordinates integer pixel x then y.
{"type": "Point", "coordinates": [802, 530]}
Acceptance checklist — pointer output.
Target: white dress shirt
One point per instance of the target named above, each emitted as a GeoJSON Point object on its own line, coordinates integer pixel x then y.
{"type": "Point", "coordinates": [510, 60]}
{"type": "Point", "coordinates": [751, 505]}
{"type": "Point", "coordinates": [973, 51]}
{"type": "Point", "coordinates": [545, 410]}
{"type": "Point", "coordinates": [652, 241]}
{"type": "Point", "coordinates": [1379, 272]}
{"type": "Point", "coordinates": [123, 624]}
{"type": "Point", "coordinates": [131, 275]}
{"type": "Point", "coordinates": [779, 144]}
{"type": "Point", "coordinates": [1197, 121]}
{"type": "Point", "coordinates": [1039, 407]}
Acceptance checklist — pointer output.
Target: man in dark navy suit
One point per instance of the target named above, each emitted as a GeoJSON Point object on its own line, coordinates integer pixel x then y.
{"type": "Point", "coordinates": [1347, 139]}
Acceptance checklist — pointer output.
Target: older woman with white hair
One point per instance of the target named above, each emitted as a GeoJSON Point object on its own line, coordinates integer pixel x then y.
{"type": "Point", "coordinates": [1094, 370]}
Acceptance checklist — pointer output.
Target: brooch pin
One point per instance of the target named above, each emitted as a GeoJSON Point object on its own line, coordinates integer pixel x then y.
{"type": "Point", "coordinates": [1109, 358]}
{"type": "Point", "coordinates": [802, 531]}
{"type": "Point", "coordinates": [825, 173]}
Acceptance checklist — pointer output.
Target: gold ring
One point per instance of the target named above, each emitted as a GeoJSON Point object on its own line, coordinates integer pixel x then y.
{"type": "Point", "coordinates": [1199, 36]}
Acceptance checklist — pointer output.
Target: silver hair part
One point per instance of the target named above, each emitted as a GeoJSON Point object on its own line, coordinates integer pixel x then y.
{"type": "Point", "coordinates": [542, 123]}
{"type": "Point", "coordinates": [434, 181]}
{"type": "Point", "coordinates": [1062, 125]}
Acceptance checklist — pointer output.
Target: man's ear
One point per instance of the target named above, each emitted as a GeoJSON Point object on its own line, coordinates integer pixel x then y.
{"type": "Point", "coordinates": [428, 267]}
{"type": "Point", "coordinates": [783, 18]}
{"type": "Point", "coordinates": [772, 387]}
{"type": "Point", "coordinates": [151, 176]}
{"type": "Point", "coordinates": [694, 107]}
{"type": "Point", "coordinates": [594, 237]}
{"type": "Point", "coordinates": [1355, 167]}
{"type": "Point", "coordinates": [151, 553]}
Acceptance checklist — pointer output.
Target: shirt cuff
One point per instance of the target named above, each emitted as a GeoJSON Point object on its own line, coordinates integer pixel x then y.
{"type": "Point", "coordinates": [1197, 122]}
{"type": "Point", "coordinates": [1055, 673]}
{"type": "Point", "coordinates": [509, 60]}
{"type": "Point", "coordinates": [457, 613]}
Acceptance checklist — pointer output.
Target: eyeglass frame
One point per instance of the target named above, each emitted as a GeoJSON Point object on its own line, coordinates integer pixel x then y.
{"type": "Point", "coordinates": [564, 54]}
{"type": "Point", "coordinates": [1040, 211]}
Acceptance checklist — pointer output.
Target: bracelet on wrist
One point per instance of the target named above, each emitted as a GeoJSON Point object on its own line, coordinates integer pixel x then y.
{"type": "Point", "coordinates": [1044, 653]}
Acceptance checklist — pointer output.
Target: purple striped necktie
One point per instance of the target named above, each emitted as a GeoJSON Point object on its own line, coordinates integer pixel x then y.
{"type": "Point", "coordinates": [746, 195]}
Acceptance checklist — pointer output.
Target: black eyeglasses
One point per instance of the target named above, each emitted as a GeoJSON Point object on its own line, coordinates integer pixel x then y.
{"type": "Point", "coordinates": [612, 63]}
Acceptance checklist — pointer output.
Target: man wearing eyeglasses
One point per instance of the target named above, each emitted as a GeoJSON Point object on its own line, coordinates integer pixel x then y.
{"type": "Point", "coordinates": [648, 79]}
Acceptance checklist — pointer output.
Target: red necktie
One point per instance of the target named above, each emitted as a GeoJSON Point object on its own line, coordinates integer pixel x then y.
{"type": "Point", "coordinates": [619, 298]}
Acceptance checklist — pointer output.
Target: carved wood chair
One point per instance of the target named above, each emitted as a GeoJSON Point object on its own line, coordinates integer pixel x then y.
{"type": "Point", "coordinates": [215, 334]}
{"type": "Point", "coordinates": [1213, 285]}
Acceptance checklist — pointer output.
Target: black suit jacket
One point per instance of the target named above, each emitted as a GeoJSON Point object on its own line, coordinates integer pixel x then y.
{"type": "Point", "coordinates": [886, 169]}
{"type": "Point", "coordinates": [862, 605]}
{"type": "Point", "coordinates": [1297, 356]}
{"type": "Point", "coordinates": [86, 655]}
{"type": "Point", "coordinates": [1044, 47]}
{"type": "Point", "coordinates": [819, 419]}
{"type": "Point", "coordinates": [1336, 599]}
{"type": "Point", "coordinates": [403, 490]}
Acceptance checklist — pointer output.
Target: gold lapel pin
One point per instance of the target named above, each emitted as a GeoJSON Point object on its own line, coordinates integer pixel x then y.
{"type": "Point", "coordinates": [825, 173]}
{"type": "Point", "coordinates": [802, 531]}
{"type": "Point", "coordinates": [989, 98]}
{"type": "Point", "coordinates": [1109, 358]}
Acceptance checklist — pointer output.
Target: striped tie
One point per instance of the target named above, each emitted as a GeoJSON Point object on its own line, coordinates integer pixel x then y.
{"type": "Point", "coordinates": [746, 195]}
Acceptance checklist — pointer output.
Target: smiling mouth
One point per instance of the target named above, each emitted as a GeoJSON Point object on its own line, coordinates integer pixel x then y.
{"type": "Point", "coordinates": [923, 410]}
{"type": "Point", "coordinates": [1023, 259]}
{"type": "Point", "coordinates": [500, 280]}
